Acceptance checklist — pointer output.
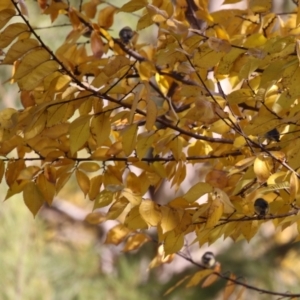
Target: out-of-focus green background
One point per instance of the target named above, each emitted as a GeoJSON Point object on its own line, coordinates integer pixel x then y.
{"type": "Point", "coordinates": [57, 256]}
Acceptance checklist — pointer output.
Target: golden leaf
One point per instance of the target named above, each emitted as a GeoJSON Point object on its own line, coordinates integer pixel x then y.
{"type": "Point", "coordinates": [13, 170]}
{"type": "Point", "coordinates": [5, 16]}
{"type": "Point", "coordinates": [262, 168]}
{"type": "Point", "coordinates": [30, 61]}
{"type": "Point", "coordinates": [79, 133]}
{"type": "Point", "coordinates": [106, 17]}
{"type": "Point", "coordinates": [133, 5]}
{"type": "Point", "coordinates": [150, 212]}
{"type": "Point", "coordinates": [101, 127]}
{"type": "Point", "coordinates": [129, 135]}
{"type": "Point", "coordinates": [83, 181]}
{"type": "Point", "coordinates": [95, 218]}
{"type": "Point", "coordinates": [117, 208]}
{"type": "Point", "coordinates": [46, 188]}
{"type": "Point", "coordinates": [169, 219]}
{"type": "Point", "coordinates": [260, 6]}
{"type": "Point", "coordinates": [89, 166]}
{"type": "Point", "coordinates": [134, 220]}
{"type": "Point", "coordinates": [117, 234]}
{"type": "Point", "coordinates": [103, 199]}
{"type": "Point", "coordinates": [198, 277]}
{"type": "Point", "coordinates": [133, 197]}
{"type": "Point", "coordinates": [197, 191]}
{"type": "Point", "coordinates": [214, 213]}
{"type": "Point", "coordinates": [33, 197]}
{"type": "Point", "coordinates": [95, 184]}
{"type": "Point", "coordinates": [11, 32]}
{"type": "Point", "coordinates": [135, 242]}
{"type": "Point", "coordinates": [173, 242]}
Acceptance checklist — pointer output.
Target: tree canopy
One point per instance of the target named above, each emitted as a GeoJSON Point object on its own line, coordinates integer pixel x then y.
{"type": "Point", "coordinates": [215, 90]}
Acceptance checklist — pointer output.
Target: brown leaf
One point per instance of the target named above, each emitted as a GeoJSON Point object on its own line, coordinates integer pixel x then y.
{"type": "Point", "coordinates": [97, 44]}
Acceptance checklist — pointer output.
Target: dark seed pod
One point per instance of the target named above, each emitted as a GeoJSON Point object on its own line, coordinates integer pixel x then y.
{"type": "Point", "coordinates": [273, 135]}
{"type": "Point", "coordinates": [126, 34]}
{"type": "Point", "coordinates": [261, 207]}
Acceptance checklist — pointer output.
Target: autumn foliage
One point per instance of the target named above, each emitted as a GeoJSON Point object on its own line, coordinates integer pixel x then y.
{"type": "Point", "coordinates": [220, 89]}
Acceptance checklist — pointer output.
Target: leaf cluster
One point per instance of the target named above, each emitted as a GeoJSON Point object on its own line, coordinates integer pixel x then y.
{"type": "Point", "coordinates": [124, 116]}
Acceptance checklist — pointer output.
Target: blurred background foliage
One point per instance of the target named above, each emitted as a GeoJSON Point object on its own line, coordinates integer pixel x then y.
{"type": "Point", "coordinates": [57, 257]}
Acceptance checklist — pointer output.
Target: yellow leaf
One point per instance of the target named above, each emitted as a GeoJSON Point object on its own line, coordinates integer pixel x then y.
{"type": "Point", "coordinates": [115, 64]}
{"type": "Point", "coordinates": [95, 218]}
{"type": "Point", "coordinates": [150, 212]}
{"type": "Point", "coordinates": [101, 128]}
{"type": "Point", "coordinates": [135, 242]}
{"type": "Point", "coordinates": [231, 1]}
{"type": "Point", "coordinates": [129, 135]}
{"type": "Point", "coordinates": [11, 32]}
{"type": "Point", "coordinates": [106, 17]}
{"type": "Point", "coordinates": [134, 220]}
{"type": "Point", "coordinates": [8, 118]}
{"type": "Point", "coordinates": [219, 194]}
{"type": "Point", "coordinates": [198, 277]}
{"type": "Point", "coordinates": [260, 6]}
{"type": "Point", "coordinates": [159, 169]}
{"type": "Point", "coordinates": [240, 96]}
{"type": "Point", "coordinates": [151, 114]}
{"type": "Point", "coordinates": [28, 173]}
{"type": "Point", "coordinates": [132, 197]}
{"type": "Point", "coordinates": [207, 58]}
{"type": "Point", "coordinates": [36, 126]}
{"type": "Point", "coordinates": [90, 9]}
{"type": "Point", "coordinates": [144, 22]}
{"type": "Point", "coordinates": [219, 45]}
{"type": "Point", "coordinates": [79, 133]}
{"type": "Point", "coordinates": [35, 77]}
{"type": "Point", "coordinates": [62, 180]}
{"type": "Point", "coordinates": [30, 61]}
{"type": "Point", "coordinates": [89, 166]}
{"type": "Point", "coordinates": [83, 181]}
{"type": "Point", "coordinates": [169, 219]}
{"type": "Point", "coordinates": [117, 234]}
{"type": "Point", "coordinates": [117, 208]}
{"type": "Point", "coordinates": [95, 185]}
{"type": "Point", "coordinates": [144, 143]}
{"type": "Point", "coordinates": [294, 186]}
{"type": "Point", "coordinates": [133, 5]}
{"type": "Point", "coordinates": [6, 4]}
{"type": "Point", "coordinates": [249, 229]}
{"type": "Point", "coordinates": [115, 149]}
{"type": "Point", "coordinates": [46, 187]}
{"type": "Point", "coordinates": [146, 70]}
{"type": "Point", "coordinates": [214, 213]}
{"type": "Point", "coordinates": [5, 16]}
{"type": "Point", "coordinates": [33, 197]}
{"type": "Point", "coordinates": [104, 198]}
{"type": "Point", "coordinates": [13, 170]}
{"type": "Point", "coordinates": [173, 242]}
{"type": "Point", "coordinates": [198, 190]}
{"type": "Point", "coordinates": [262, 168]}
